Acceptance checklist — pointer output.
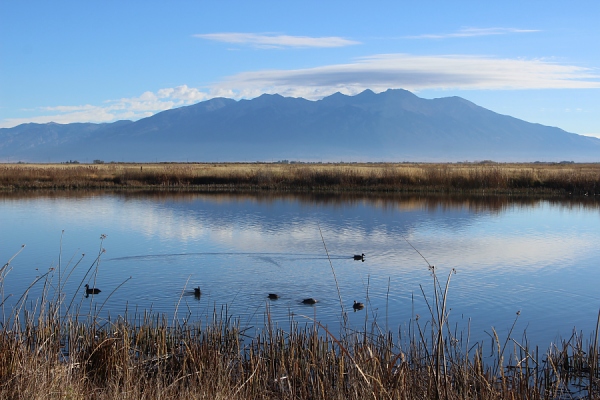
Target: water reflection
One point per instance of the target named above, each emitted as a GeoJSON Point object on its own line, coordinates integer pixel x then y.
{"type": "Point", "coordinates": [537, 256]}
{"type": "Point", "coordinates": [472, 203]}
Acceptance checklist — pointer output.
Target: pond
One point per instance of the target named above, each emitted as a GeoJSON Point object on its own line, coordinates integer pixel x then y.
{"type": "Point", "coordinates": [539, 258]}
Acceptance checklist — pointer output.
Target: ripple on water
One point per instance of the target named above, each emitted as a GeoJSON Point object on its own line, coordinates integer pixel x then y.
{"type": "Point", "coordinates": [538, 258]}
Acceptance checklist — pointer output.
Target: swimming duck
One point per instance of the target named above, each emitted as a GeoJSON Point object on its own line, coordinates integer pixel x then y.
{"type": "Point", "coordinates": [358, 306]}
{"type": "Point", "coordinates": [273, 296]}
{"type": "Point", "coordinates": [197, 291]}
{"type": "Point", "coordinates": [359, 257]}
{"type": "Point", "coordinates": [89, 290]}
{"type": "Point", "coordinates": [310, 300]}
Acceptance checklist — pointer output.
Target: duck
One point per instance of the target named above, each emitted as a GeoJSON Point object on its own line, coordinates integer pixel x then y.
{"type": "Point", "coordinates": [358, 306]}
{"type": "Point", "coordinates": [310, 300]}
{"type": "Point", "coordinates": [359, 257]}
{"type": "Point", "coordinates": [89, 290]}
{"type": "Point", "coordinates": [273, 296]}
{"type": "Point", "coordinates": [197, 291]}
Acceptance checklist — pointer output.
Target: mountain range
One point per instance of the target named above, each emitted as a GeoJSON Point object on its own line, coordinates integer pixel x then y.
{"type": "Point", "coordinates": [394, 125]}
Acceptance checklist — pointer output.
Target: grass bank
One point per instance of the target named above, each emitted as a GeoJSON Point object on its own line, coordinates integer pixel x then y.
{"type": "Point", "coordinates": [48, 350]}
{"type": "Point", "coordinates": [489, 178]}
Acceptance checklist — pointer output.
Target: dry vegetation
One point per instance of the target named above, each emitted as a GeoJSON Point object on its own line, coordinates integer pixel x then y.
{"type": "Point", "coordinates": [574, 179]}
{"type": "Point", "coordinates": [49, 351]}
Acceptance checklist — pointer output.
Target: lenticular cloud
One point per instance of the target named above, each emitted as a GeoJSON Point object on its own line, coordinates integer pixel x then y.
{"type": "Point", "coordinates": [381, 72]}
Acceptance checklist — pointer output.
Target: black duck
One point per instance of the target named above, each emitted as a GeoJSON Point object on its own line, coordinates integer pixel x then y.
{"type": "Point", "coordinates": [358, 306]}
{"type": "Point", "coordinates": [359, 257]}
{"type": "Point", "coordinates": [89, 290]}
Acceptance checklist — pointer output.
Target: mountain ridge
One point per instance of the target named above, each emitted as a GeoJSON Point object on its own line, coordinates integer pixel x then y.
{"type": "Point", "coordinates": [395, 125]}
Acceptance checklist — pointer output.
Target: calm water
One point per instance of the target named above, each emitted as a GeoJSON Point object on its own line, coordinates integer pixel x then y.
{"type": "Point", "coordinates": [539, 257]}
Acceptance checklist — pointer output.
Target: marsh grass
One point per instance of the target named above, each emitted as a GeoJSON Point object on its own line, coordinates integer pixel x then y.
{"type": "Point", "coordinates": [50, 350]}
{"type": "Point", "coordinates": [572, 179]}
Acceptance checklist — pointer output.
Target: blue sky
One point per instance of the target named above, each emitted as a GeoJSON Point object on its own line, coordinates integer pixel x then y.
{"type": "Point", "coordinates": [101, 61]}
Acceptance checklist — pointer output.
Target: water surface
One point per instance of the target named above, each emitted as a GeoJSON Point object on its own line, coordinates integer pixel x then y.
{"type": "Point", "coordinates": [536, 257]}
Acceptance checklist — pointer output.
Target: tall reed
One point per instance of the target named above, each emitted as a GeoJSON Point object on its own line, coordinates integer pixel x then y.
{"type": "Point", "coordinates": [49, 350]}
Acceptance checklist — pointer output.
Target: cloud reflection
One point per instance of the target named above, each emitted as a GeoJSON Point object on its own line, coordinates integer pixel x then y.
{"type": "Point", "coordinates": [461, 233]}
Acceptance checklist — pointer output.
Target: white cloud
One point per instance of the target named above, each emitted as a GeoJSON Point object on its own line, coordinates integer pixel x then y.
{"type": "Point", "coordinates": [65, 109]}
{"type": "Point", "coordinates": [276, 41]}
{"type": "Point", "coordinates": [381, 72]}
{"type": "Point", "coordinates": [145, 105]}
{"type": "Point", "coordinates": [97, 114]}
{"type": "Point", "coordinates": [470, 32]}
{"type": "Point", "coordinates": [182, 93]}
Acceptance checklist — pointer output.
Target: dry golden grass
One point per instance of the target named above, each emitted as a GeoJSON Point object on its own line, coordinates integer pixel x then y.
{"type": "Point", "coordinates": [48, 356]}
{"type": "Point", "coordinates": [575, 179]}
{"type": "Point", "coordinates": [48, 350]}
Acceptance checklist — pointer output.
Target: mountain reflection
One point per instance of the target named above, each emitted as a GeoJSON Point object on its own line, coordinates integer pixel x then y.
{"type": "Point", "coordinates": [471, 203]}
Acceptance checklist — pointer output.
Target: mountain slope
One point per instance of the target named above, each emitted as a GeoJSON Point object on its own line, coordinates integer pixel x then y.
{"type": "Point", "coordinates": [394, 125]}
